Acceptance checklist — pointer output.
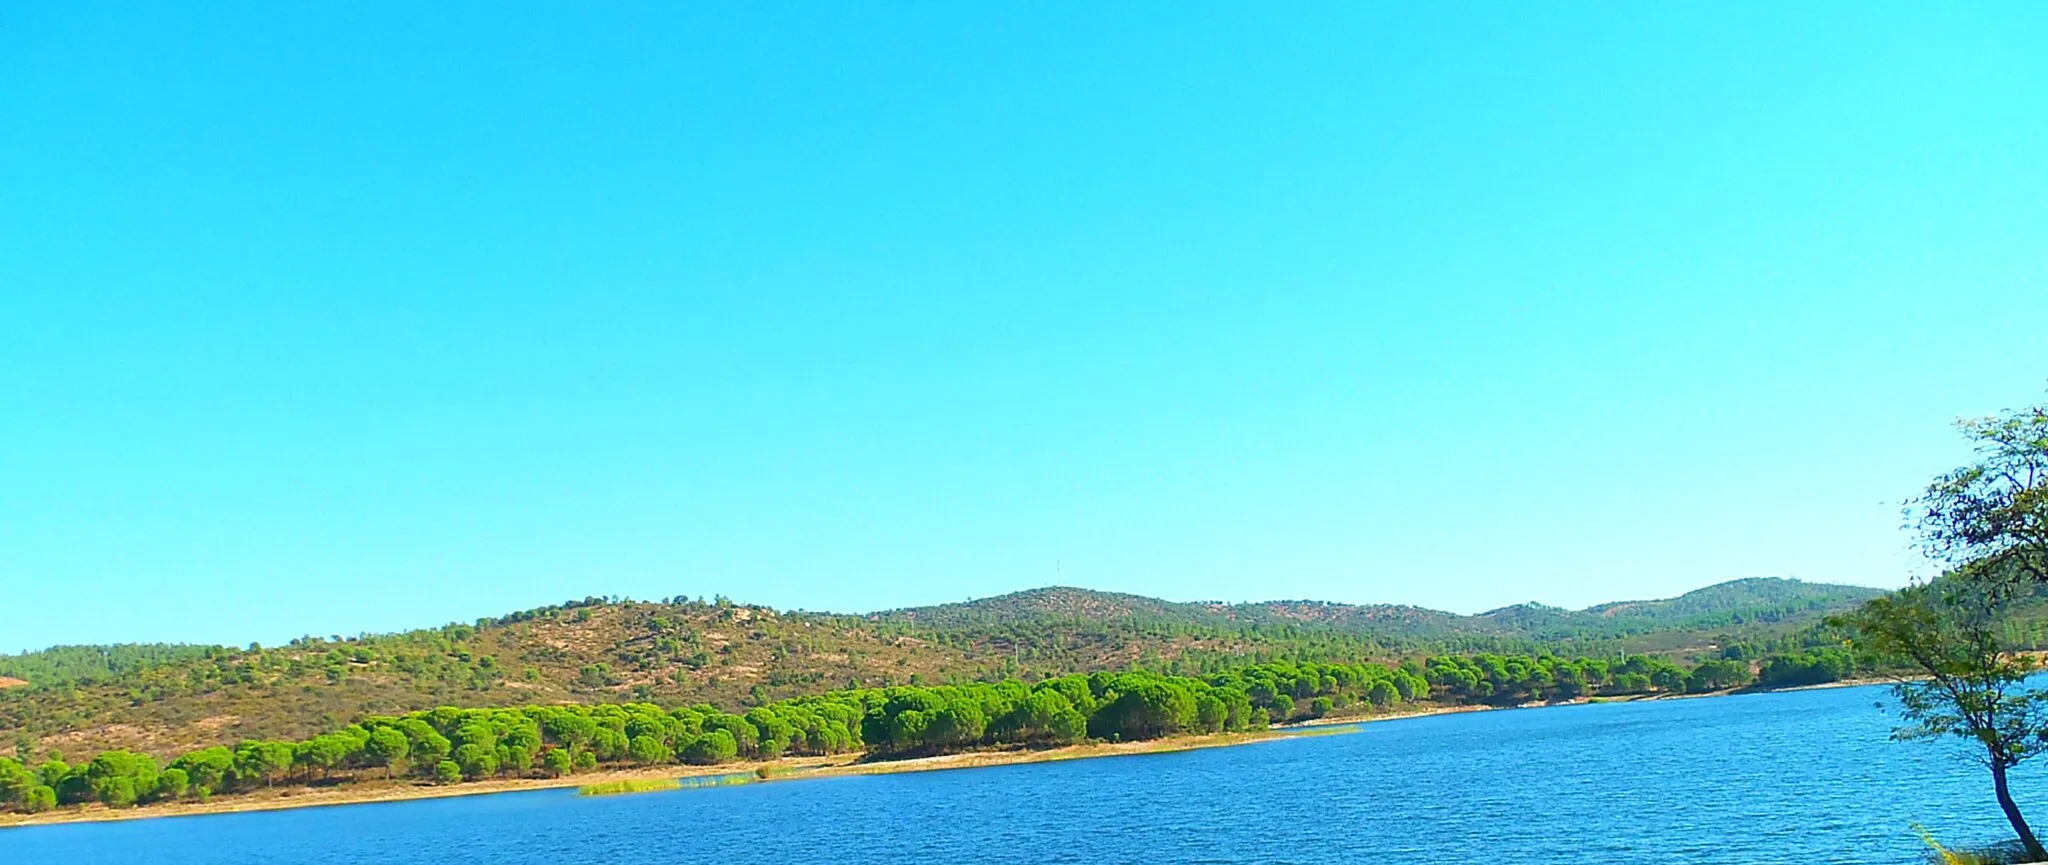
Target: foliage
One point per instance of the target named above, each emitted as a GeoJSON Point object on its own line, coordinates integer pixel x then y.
{"type": "Point", "coordinates": [87, 664]}
{"type": "Point", "coordinates": [1718, 674]}
{"type": "Point", "coordinates": [1992, 515]}
{"type": "Point", "coordinates": [1974, 689]}
{"type": "Point", "coordinates": [1988, 521]}
{"type": "Point", "coordinates": [449, 744]}
{"type": "Point", "coordinates": [1799, 669]}
{"type": "Point", "coordinates": [1965, 632]}
{"type": "Point", "coordinates": [681, 652]}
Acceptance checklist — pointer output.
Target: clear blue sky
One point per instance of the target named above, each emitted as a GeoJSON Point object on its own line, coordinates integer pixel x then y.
{"type": "Point", "coordinates": [323, 318]}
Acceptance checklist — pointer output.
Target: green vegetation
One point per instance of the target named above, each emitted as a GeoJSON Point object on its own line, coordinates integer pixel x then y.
{"type": "Point", "coordinates": [1754, 605]}
{"type": "Point", "coordinates": [166, 700]}
{"type": "Point", "coordinates": [448, 745]}
{"type": "Point", "coordinates": [1988, 521]}
{"type": "Point", "coordinates": [642, 785]}
{"type": "Point", "coordinates": [65, 664]}
{"type": "Point", "coordinates": [1815, 667]}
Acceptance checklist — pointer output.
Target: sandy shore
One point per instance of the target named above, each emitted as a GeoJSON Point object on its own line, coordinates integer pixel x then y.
{"type": "Point", "coordinates": [378, 790]}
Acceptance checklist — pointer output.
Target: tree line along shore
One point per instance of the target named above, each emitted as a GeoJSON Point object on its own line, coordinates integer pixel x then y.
{"type": "Point", "coordinates": [450, 747]}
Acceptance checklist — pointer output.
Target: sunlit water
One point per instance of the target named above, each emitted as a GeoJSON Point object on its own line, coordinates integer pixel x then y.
{"type": "Point", "coordinates": [1793, 777]}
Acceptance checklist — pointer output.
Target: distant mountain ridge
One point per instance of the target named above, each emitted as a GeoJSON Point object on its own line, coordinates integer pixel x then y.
{"type": "Point", "coordinates": [1742, 601]}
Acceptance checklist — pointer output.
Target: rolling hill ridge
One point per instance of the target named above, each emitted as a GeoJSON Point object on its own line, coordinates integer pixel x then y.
{"type": "Point", "coordinates": [1756, 600]}
{"type": "Point", "coordinates": [166, 698]}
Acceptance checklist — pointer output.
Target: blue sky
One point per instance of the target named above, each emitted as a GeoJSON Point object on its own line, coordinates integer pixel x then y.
{"type": "Point", "coordinates": [322, 319]}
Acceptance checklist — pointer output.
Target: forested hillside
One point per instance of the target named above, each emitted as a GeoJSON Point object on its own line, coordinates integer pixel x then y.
{"type": "Point", "coordinates": [170, 699]}
{"type": "Point", "coordinates": [1733, 604]}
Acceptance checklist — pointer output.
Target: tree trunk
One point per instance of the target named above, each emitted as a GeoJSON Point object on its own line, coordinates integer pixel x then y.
{"type": "Point", "coordinates": [2012, 814]}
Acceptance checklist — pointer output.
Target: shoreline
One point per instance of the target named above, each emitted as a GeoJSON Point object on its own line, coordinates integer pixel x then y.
{"type": "Point", "coordinates": [372, 791]}
{"type": "Point", "coordinates": [405, 790]}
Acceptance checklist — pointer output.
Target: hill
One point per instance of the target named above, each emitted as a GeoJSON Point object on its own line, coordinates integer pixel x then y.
{"type": "Point", "coordinates": [163, 699]}
{"type": "Point", "coordinates": [1733, 604]}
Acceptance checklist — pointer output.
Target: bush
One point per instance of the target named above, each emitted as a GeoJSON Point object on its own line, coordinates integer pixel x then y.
{"type": "Point", "coordinates": [649, 751]}
{"type": "Point", "coordinates": [39, 798]}
{"type": "Point", "coordinates": [118, 792]}
{"type": "Point", "coordinates": [712, 748]}
{"type": "Point", "coordinates": [557, 762]}
{"type": "Point", "coordinates": [447, 772]}
{"type": "Point", "coordinates": [171, 784]}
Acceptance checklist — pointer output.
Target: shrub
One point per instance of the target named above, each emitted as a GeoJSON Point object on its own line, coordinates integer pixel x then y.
{"type": "Point", "coordinates": [39, 798]}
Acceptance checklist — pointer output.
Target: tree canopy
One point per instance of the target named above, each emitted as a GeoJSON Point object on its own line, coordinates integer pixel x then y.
{"type": "Point", "coordinates": [449, 745]}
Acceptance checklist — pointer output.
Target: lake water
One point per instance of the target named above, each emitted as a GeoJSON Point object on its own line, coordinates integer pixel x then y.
{"type": "Point", "coordinates": [1792, 777]}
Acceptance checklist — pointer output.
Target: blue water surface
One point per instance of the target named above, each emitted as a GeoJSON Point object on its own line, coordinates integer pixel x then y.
{"type": "Point", "coordinates": [1792, 777]}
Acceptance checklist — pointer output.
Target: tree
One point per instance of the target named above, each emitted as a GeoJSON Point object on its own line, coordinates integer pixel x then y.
{"type": "Point", "coordinates": [475, 733]}
{"type": "Point", "coordinates": [1149, 708]}
{"type": "Point", "coordinates": [1069, 725]}
{"type": "Point", "coordinates": [1211, 713]}
{"type": "Point", "coordinates": [171, 784]}
{"type": "Point", "coordinates": [206, 768]}
{"type": "Point", "coordinates": [266, 760]}
{"type": "Point", "coordinates": [1382, 693]}
{"type": "Point", "coordinates": [386, 747]}
{"type": "Point", "coordinates": [15, 782]}
{"type": "Point", "coordinates": [960, 723]}
{"type": "Point", "coordinates": [120, 778]}
{"type": "Point", "coordinates": [1973, 688]}
{"type": "Point", "coordinates": [52, 771]}
{"type": "Point", "coordinates": [425, 745]}
{"type": "Point", "coordinates": [648, 751]}
{"type": "Point", "coordinates": [74, 788]}
{"type": "Point", "coordinates": [116, 792]}
{"type": "Point", "coordinates": [1992, 515]}
{"type": "Point", "coordinates": [447, 772]}
{"type": "Point", "coordinates": [1666, 677]}
{"type": "Point", "coordinates": [557, 762]}
{"type": "Point", "coordinates": [1988, 523]}
{"type": "Point", "coordinates": [516, 759]}
{"type": "Point", "coordinates": [322, 752]}
{"type": "Point", "coordinates": [475, 761]}
{"type": "Point", "coordinates": [1717, 674]}
{"type": "Point", "coordinates": [608, 744]}
{"type": "Point", "coordinates": [39, 799]}
{"type": "Point", "coordinates": [1282, 708]}
{"type": "Point", "coordinates": [569, 729]}
{"type": "Point", "coordinates": [711, 748]}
